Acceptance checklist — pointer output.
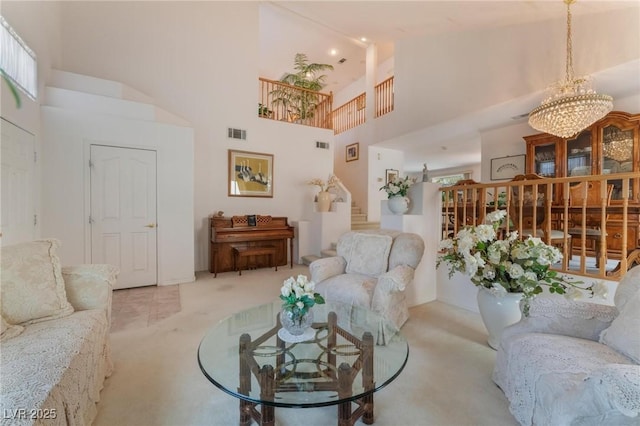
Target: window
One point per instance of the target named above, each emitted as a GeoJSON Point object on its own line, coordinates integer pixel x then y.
{"type": "Point", "coordinates": [451, 179]}
{"type": "Point", "coordinates": [18, 61]}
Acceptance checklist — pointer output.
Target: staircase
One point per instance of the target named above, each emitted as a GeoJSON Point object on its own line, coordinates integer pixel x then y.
{"type": "Point", "coordinates": [359, 219]}
{"type": "Point", "coordinates": [358, 222]}
{"type": "Point", "coordinates": [330, 252]}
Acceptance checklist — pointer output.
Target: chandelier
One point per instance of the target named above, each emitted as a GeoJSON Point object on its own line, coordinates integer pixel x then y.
{"type": "Point", "coordinates": [617, 145]}
{"type": "Point", "coordinates": [572, 105]}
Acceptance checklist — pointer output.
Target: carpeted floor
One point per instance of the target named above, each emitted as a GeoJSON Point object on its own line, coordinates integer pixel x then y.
{"type": "Point", "coordinates": [157, 381]}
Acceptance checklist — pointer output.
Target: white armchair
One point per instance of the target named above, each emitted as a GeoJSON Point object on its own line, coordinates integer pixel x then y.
{"type": "Point", "coordinates": [372, 269]}
{"type": "Point", "coordinates": [574, 362]}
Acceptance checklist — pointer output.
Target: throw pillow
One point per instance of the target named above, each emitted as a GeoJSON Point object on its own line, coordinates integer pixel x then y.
{"type": "Point", "coordinates": [7, 331]}
{"type": "Point", "coordinates": [622, 335]}
{"type": "Point", "coordinates": [32, 284]}
{"type": "Point", "coordinates": [369, 254]}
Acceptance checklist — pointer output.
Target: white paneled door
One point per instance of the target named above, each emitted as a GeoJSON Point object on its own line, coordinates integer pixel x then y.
{"type": "Point", "coordinates": [18, 191]}
{"type": "Point", "coordinates": [123, 213]}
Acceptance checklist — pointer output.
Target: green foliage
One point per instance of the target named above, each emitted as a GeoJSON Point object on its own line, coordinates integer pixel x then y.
{"type": "Point", "coordinates": [298, 295]}
{"type": "Point", "coordinates": [507, 264]}
{"type": "Point", "coordinates": [12, 88]}
{"type": "Point", "coordinates": [263, 111]}
{"type": "Point", "coordinates": [301, 103]}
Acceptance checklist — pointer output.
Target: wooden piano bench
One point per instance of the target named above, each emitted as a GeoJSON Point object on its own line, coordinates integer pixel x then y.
{"type": "Point", "coordinates": [240, 252]}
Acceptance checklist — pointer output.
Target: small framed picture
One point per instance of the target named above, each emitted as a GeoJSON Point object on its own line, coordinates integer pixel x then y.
{"type": "Point", "coordinates": [507, 167]}
{"type": "Point", "coordinates": [250, 174]}
{"type": "Point", "coordinates": [353, 151]}
{"type": "Point", "coordinates": [390, 176]}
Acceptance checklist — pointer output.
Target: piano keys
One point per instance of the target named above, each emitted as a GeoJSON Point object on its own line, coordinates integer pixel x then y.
{"type": "Point", "coordinates": [225, 233]}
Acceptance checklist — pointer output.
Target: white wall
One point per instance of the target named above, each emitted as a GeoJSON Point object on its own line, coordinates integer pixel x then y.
{"type": "Point", "coordinates": [502, 142]}
{"type": "Point", "coordinates": [68, 135]}
{"type": "Point", "coordinates": [351, 172]}
{"type": "Point", "coordinates": [422, 218]}
{"type": "Point", "coordinates": [381, 159]}
{"type": "Point", "coordinates": [384, 70]}
{"type": "Point", "coordinates": [366, 135]}
{"type": "Point", "coordinates": [176, 60]}
{"type": "Point", "coordinates": [38, 23]}
{"type": "Point", "coordinates": [491, 68]}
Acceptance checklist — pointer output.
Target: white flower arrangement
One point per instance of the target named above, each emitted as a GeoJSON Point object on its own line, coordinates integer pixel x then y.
{"type": "Point", "coordinates": [298, 295]}
{"type": "Point", "coordinates": [509, 265]}
{"type": "Point", "coordinates": [398, 187]}
{"type": "Point", "coordinates": [332, 182]}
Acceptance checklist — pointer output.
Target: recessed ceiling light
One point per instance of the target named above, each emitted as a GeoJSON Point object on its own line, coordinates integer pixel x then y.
{"type": "Point", "coordinates": [333, 52]}
{"type": "Point", "coordinates": [363, 39]}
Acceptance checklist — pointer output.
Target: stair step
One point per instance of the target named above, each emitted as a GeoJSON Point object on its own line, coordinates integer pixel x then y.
{"type": "Point", "coordinates": [328, 253]}
{"type": "Point", "coordinates": [355, 226]}
{"type": "Point", "coordinates": [356, 210]}
{"type": "Point", "coordinates": [306, 260]}
{"type": "Point", "coordinates": [358, 218]}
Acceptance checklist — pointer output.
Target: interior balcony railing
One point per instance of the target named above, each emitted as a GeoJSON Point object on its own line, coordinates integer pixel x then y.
{"type": "Point", "coordinates": [283, 102]}
{"type": "Point", "coordinates": [353, 112]}
{"type": "Point", "coordinates": [384, 97]}
{"type": "Point", "coordinates": [597, 233]}
{"type": "Point", "coordinates": [350, 115]}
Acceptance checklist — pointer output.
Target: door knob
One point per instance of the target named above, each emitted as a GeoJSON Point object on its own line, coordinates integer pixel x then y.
{"type": "Point", "coordinates": [151, 225]}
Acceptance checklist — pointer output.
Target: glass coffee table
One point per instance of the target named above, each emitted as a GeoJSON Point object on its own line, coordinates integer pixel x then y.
{"type": "Point", "coordinates": [352, 353]}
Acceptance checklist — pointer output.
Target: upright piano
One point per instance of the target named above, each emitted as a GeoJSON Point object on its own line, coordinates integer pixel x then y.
{"type": "Point", "coordinates": [227, 233]}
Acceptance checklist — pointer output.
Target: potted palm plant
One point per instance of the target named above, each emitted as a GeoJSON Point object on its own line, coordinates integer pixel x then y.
{"type": "Point", "coordinates": [263, 111]}
{"type": "Point", "coordinates": [301, 104]}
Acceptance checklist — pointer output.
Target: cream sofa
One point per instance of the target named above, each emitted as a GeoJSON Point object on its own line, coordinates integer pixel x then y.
{"type": "Point", "coordinates": [54, 353]}
{"type": "Point", "coordinates": [372, 269]}
{"type": "Point", "coordinates": [575, 363]}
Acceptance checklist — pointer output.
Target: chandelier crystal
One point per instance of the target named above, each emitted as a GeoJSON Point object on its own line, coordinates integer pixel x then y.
{"type": "Point", "coordinates": [573, 105]}
{"type": "Point", "coordinates": [617, 145]}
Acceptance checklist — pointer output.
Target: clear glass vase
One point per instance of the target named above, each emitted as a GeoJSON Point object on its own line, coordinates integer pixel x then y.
{"type": "Point", "coordinates": [296, 324]}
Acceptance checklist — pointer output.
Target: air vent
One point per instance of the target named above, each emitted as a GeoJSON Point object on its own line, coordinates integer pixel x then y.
{"type": "Point", "coordinates": [322, 145]}
{"type": "Point", "coordinates": [342, 61]}
{"type": "Point", "coordinates": [237, 133]}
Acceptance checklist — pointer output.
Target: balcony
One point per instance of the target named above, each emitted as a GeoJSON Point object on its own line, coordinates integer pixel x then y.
{"type": "Point", "coordinates": [353, 112]}
{"type": "Point", "coordinates": [283, 102]}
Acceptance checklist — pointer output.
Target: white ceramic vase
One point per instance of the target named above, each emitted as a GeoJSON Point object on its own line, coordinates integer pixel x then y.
{"type": "Point", "coordinates": [398, 204]}
{"type": "Point", "coordinates": [324, 201]}
{"type": "Point", "coordinates": [498, 312]}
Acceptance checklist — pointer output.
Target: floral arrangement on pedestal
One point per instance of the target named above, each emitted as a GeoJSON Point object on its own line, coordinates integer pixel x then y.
{"type": "Point", "coordinates": [298, 298]}
{"type": "Point", "coordinates": [398, 187]}
{"type": "Point", "coordinates": [396, 190]}
{"type": "Point", "coordinates": [323, 197]}
{"type": "Point", "coordinates": [509, 265]}
{"type": "Point", "coordinates": [332, 182]}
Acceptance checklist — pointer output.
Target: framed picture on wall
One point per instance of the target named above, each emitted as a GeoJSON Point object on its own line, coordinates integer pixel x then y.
{"type": "Point", "coordinates": [507, 167]}
{"type": "Point", "coordinates": [353, 151]}
{"type": "Point", "coordinates": [250, 174]}
{"type": "Point", "coordinates": [390, 175]}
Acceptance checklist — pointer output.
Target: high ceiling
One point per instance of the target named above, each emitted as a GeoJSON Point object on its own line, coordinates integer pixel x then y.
{"type": "Point", "coordinates": [317, 27]}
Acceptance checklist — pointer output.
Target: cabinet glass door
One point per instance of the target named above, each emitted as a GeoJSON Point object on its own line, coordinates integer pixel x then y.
{"type": "Point", "coordinates": [617, 154]}
{"type": "Point", "coordinates": [579, 155]}
{"type": "Point", "coordinates": [545, 160]}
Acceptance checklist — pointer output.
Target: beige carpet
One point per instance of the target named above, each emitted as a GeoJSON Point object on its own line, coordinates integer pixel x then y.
{"type": "Point", "coordinates": [157, 381]}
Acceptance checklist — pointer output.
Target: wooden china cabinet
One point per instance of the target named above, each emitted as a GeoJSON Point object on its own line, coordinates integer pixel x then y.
{"type": "Point", "coordinates": [609, 146]}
